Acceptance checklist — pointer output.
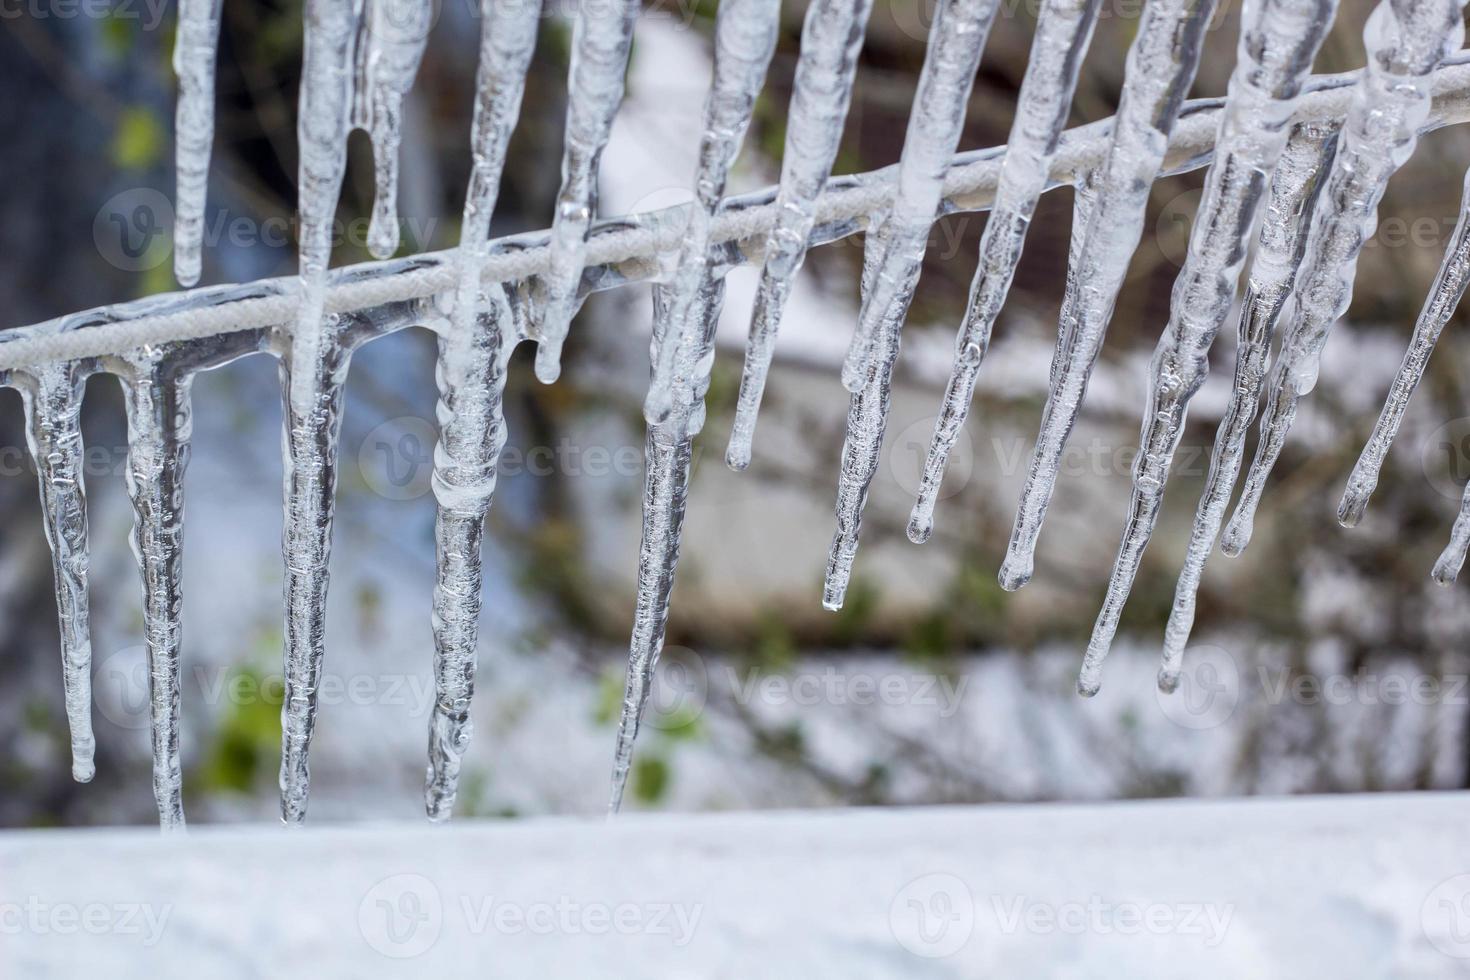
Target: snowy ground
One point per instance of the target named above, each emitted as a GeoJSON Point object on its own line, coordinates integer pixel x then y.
{"type": "Point", "coordinates": [1343, 887]}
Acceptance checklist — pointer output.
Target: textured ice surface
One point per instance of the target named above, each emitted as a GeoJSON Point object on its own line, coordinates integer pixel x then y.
{"type": "Point", "coordinates": [893, 258]}
{"type": "Point", "coordinates": [831, 38]}
{"type": "Point", "coordinates": [1405, 42]}
{"type": "Point", "coordinates": [1160, 68]}
{"type": "Point", "coordinates": [1063, 32]}
{"type": "Point", "coordinates": [1278, 40]}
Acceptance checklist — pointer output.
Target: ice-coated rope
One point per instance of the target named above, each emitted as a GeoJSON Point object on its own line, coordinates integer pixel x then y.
{"type": "Point", "coordinates": [841, 211]}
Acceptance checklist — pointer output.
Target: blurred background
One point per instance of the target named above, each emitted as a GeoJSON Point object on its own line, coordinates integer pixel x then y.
{"type": "Point", "coordinates": [1324, 660]}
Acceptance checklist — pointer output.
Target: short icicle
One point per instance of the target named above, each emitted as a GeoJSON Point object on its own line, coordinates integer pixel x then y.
{"type": "Point", "coordinates": [936, 119]}
{"type": "Point", "coordinates": [745, 39]}
{"type": "Point", "coordinates": [1444, 297]}
{"type": "Point", "coordinates": [602, 37]}
{"type": "Point", "coordinates": [471, 377]}
{"type": "Point", "coordinates": [195, 50]}
{"type": "Point", "coordinates": [1160, 67]}
{"type": "Point", "coordinates": [159, 427]}
{"type": "Point", "coordinates": [52, 396]}
{"type": "Point", "coordinates": [1063, 32]}
{"type": "Point", "coordinates": [1391, 101]}
{"type": "Point", "coordinates": [391, 46]}
{"type": "Point", "coordinates": [1295, 187]}
{"type": "Point", "coordinates": [1278, 41]}
{"type": "Point", "coordinates": [831, 39]}
{"type": "Point", "coordinates": [313, 370]}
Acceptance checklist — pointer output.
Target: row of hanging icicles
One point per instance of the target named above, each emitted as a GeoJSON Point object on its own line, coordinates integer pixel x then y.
{"type": "Point", "coordinates": [1306, 194]}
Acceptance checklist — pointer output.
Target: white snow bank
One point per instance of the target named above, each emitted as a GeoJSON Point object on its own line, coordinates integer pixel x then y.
{"type": "Point", "coordinates": [1347, 886]}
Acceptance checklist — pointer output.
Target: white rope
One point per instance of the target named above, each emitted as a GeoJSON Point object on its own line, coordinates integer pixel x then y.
{"type": "Point", "coordinates": [968, 187]}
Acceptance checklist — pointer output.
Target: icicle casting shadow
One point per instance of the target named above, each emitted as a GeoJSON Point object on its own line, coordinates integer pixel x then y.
{"type": "Point", "coordinates": [1315, 208]}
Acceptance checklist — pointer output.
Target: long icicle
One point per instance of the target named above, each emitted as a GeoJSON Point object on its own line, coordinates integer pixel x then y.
{"type": "Point", "coordinates": [1405, 41]}
{"type": "Point", "coordinates": [313, 373]}
{"type": "Point", "coordinates": [1444, 296]}
{"type": "Point", "coordinates": [936, 120]}
{"type": "Point", "coordinates": [159, 426]}
{"type": "Point", "coordinates": [1295, 187]}
{"type": "Point", "coordinates": [602, 37]}
{"type": "Point", "coordinates": [1063, 32]}
{"type": "Point", "coordinates": [195, 50]}
{"type": "Point", "coordinates": [393, 36]}
{"type": "Point", "coordinates": [1160, 68]}
{"type": "Point", "coordinates": [1278, 40]}
{"type": "Point", "coordinates": [686, 313]}
{"type": "Point", "coordinates": [52, 396]}
{"type": "Point", "coordinates": [471, 377]}
{"type": "Point", "coordinates": [831, 39]}
{"type": "Point", "coordinates": [668, 451]}
{"type": "Point", "coordinates": [745, 39]}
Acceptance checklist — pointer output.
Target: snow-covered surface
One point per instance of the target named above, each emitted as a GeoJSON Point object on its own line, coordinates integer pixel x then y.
{"type": "Point", "coordinates": [1349, 886]}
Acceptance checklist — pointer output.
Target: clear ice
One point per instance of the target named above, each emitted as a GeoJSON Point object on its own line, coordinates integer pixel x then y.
{"type": "Point", "coordinates": [312, 373]}
{"type": "Point", "coordinates": [1391, 101]}
{"type": "Point", "coordinates": [682, 351]}
{"type": "Point", "coordinates": [195, 50]}
{"type": "Point", "coordinates": [1295, 187]}
{"type": "Point", "coordinates": [471, 378]}
{"type": "Point", "coordinates": [1160, 68]}
{"type": "Point", "coordinates": [894, 258]}
{"type": "Point", "coordinates": [1063, 32]}
{"type": "Point", "coordinates": [1278, 40]}
{"type": "Point", "coordinates": [602, 37]}
{"type": "Point", "coordinates": [831, 38]}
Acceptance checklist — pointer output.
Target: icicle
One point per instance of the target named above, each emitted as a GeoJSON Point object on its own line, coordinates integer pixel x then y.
{"type": "Point", "coordinates": [745, 39]}
{"type": "Point", "coordinates": [601, 39]}
{"type": "Point", "coordinates": [313, 373]}
{"type": "Point", "coordinates": [831, 38]}
{"type": "Point", "coordinates": [936, 119]}
{"type": "Point", "coordinates": [195, 48]}
{"type": "Point", "coordinates": [669, 450]}
{"type": "Point", "coordinates": [1295, 186]}
{"type": "Point", "coordinates": [686, 312]}
{"type": "Point", "coordinates": [896, 254]}
{"type": "Point", "coordinates": [1439, 306]}
{"type": "Point", "coordinates": [1452, 559]}
{"type": "Point", "coordinates": [1278, 40]}
{"type": "Point", "coordinates": [866, 414]}
{"type": "Point", "coordinates": [394, 34]}
{"type": "Point", "coordinates": [159, 425]}
{"type": "Point", "coordinates": [471, 376]}
{"type": "Point", "coordinates": [52, 396]}
{"type": "Point", "coordinates": [1160, 68]}
{"type": "Point", "coordinates": [1390, 103]}
{"type": "Point", "coordinates": [1063, 32]}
